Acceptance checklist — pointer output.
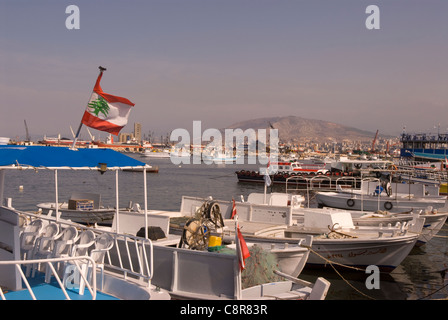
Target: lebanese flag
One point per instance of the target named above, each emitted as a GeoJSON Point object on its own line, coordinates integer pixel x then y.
{"type": "Point", "coordinates": [243, 250]}
{"type": "Point", "coordinates": [233, 209]}
{"type": "Point", "coordinates": [106, 112]}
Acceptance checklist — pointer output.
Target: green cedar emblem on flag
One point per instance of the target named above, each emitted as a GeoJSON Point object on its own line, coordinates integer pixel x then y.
{"type": "Point", "coordinates": [99, 106]}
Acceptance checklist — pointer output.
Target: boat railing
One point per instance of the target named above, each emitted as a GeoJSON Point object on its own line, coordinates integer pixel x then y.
{"type": "Point", "coordinates": [91, 286]}
{"type": "Point", "coordinates": [342, 181]}
{"type": "Point", "coordinates": [131, 256]}
{"type": "Point", "coordinates": [296, 180]}
{"type": "Point", "coordinates": [320, 182]}
{"type": "Point", "coordinates": [411, 170]}
{"type": "Point", "coordinates": [118, 259]}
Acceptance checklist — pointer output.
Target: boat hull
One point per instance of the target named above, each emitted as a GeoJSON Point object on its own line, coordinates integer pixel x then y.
{"type": "Point", "coordinates": [385, 253]}
{"type": "Point", "coordinates": [348, 201]}
{"type": "Point", "coordinates": [433, 224]}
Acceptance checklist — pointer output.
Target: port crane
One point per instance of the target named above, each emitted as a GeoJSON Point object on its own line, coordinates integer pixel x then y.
{"type": "Point", "coordinates": [374, 141]}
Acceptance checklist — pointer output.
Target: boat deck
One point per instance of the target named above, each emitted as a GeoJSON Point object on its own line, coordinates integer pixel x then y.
{"type": "Point", "coordinates": [51, 291]}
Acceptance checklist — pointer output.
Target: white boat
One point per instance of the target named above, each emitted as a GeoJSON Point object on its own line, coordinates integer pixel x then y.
{"type": "Point", "coordinates": [350, 246]}
{"type": "Point", "coordinates": [385, 246]}
{"type": "Point", "coordinates": [345, 164]}
{"type": "Point", "coordinates": [182, 270]}
{"type": "Point", "coordinates": [165, 270]}
{"type": "Point", "coordinates": [302, 166]}
{"type": "Point", "coordinates": [156, 153]}
{"type": "Point", "coordinates": [37, 264]}
{"type": "Point", "coordinates": [354, 247]}
{"type": "Point", "coordinates": [434, 219]}
{"type": "Point", "coordinates": [4, 140]}
{"type": "Point", "coordinates": [291, 257]}
{"type": "Point", "coordinates": [85, 208]}
{"type": "Point", "coordinates": [218, 158]}
{"type": "Point", "coordinates": [395, 197]}
{"type": "Point", "coordinates": [47, 273]}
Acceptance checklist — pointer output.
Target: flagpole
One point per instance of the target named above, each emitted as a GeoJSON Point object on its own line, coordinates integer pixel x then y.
{"type": "Point", "coordinates": [265, 184]}
{"type": "Point", "coordinates": [80, 125]}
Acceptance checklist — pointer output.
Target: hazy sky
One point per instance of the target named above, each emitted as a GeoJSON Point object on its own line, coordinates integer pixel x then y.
{"type": "Point", "coordinates": [223, 61]}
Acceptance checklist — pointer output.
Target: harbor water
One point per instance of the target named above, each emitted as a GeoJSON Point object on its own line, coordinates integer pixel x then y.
{"type": "Point", "coordinates": [421, 275]}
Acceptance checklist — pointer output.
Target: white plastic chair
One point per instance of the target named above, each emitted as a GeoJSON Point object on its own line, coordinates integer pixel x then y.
{"type": "Point", "coordinates": [42, 245]}
{"type": "Point", "coordinates": [86, 240]}
{"type": "Point", "coordinates": [28, 237]}
{"type": "Point", "coordinates": [62, 246]}
{"type": "Point", "coordinates": [103, 244]}
{"type": "Point", "coordinates": [64, 242]}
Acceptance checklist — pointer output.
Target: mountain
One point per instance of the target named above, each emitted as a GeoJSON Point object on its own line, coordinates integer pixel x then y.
{"type": "Point", "coordinates": [297, 129]}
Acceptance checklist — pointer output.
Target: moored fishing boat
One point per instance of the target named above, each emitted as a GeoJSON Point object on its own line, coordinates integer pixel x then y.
{"type": "Point", "coordinates": [179, 272]}
{"type": "Point", "coordinates": [291, 258]}
{"type": "Point", "coordinates": [384, 246]}
{"type": "Point", "coordinates": [183, 269]}
{"type": "Point", "coordinates": [85, 208]}
{"type": "Point", "coordinates": [434, 219]}
{"type": "Point", "coordinates": [324, 173]}
{"type": "Point", "coordinates": [394, 197]}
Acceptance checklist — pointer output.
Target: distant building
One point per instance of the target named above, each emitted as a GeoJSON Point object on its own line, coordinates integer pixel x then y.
{"type": "Point", "coordinates": [138, 131]}
{"type": "Point", "coordinates": [125, 137]}
{"type": "Point", "coordinates": [133, 137]}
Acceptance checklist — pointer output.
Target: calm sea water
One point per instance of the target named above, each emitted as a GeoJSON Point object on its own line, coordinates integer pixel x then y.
{"type": "Point", "coordinates": [420, 276]}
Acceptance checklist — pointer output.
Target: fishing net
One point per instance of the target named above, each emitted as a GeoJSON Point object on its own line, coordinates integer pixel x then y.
{"type": "Point", "coordinates": [260, 268]}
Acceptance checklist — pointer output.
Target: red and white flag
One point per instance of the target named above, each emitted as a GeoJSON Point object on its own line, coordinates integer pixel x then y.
{"type": "Point", "coordinates": [243, 250]}
{"type": "Point", "coordinates": [106, 112]}
{"type": "Point", "coordinates": [233, 209]}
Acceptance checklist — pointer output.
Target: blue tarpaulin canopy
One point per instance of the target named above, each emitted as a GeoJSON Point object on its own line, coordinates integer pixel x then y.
{"type": "Point", "coordinates": [55, 158]}
{"type": "Point", "coordinates": [62, 157]}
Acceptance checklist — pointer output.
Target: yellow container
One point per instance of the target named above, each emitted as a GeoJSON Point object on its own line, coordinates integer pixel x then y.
{"type": "Point", "coordinates": [443, 188]}
{"type": "Point", "coordinates": [214, 241]}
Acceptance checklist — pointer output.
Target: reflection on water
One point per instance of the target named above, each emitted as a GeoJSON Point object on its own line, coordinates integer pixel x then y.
{"type": "Point", "coordinates": [420, 275]}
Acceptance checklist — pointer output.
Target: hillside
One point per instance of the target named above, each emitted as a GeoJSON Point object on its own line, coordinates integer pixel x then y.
{"type": "Point", "coordinates": [296, 129]}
